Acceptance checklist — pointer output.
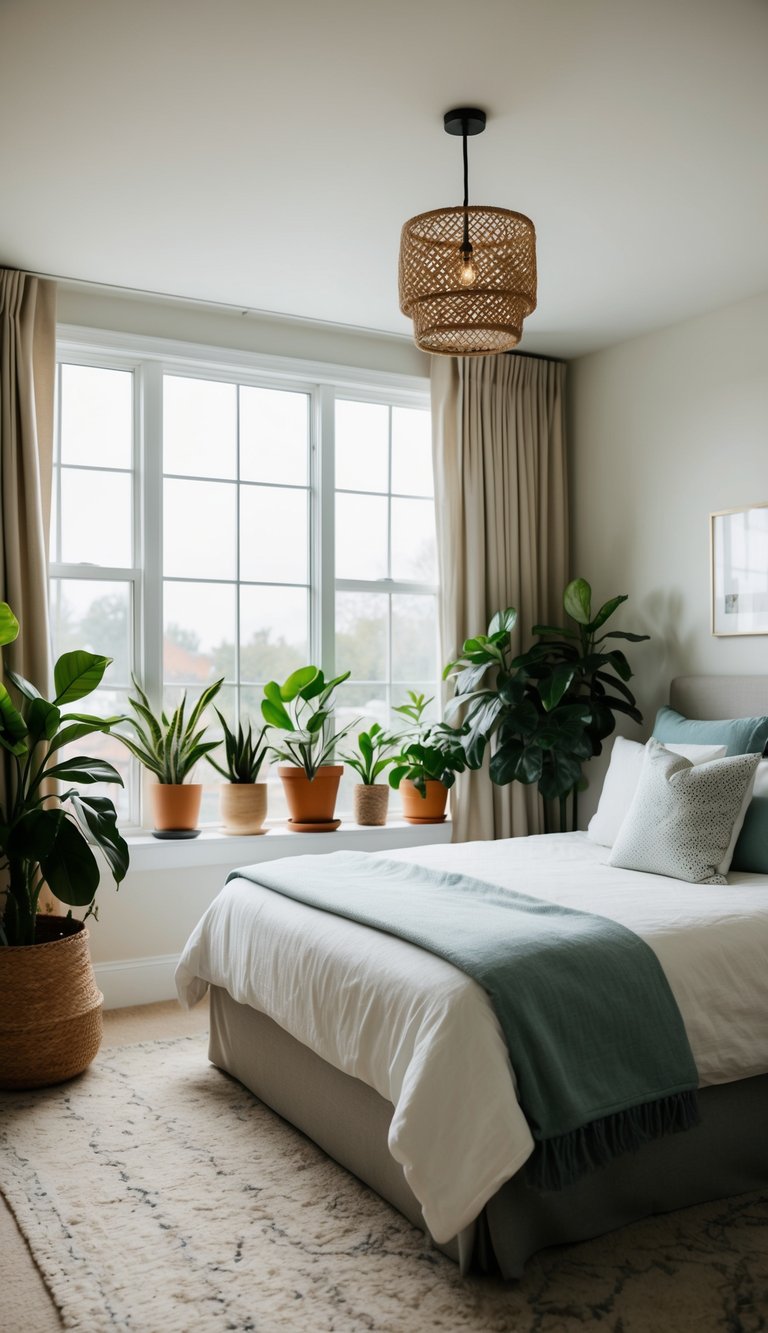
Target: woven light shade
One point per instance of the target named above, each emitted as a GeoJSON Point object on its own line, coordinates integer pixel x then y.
{"type": "Point", "coordinates": [451, 319]}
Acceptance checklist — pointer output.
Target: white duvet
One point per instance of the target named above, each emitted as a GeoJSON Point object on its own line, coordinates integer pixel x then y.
{"type": "Point", "coordinates": [424, 1035]}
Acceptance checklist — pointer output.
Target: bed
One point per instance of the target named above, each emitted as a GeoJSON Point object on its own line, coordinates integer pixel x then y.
{"type": "Point", "coordinates": [393, 1062]}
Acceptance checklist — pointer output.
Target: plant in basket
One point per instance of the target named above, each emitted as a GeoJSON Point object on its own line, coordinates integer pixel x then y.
{"type": "Point", "coordinates": [372, 757]}
{"type": "Point", "coordinates": [47, 836]}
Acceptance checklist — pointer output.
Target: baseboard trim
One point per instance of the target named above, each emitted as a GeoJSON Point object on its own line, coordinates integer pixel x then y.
{"type": "Point", "coordinates": [137, 980]}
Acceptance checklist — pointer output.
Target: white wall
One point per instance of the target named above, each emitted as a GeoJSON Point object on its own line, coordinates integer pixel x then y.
{"type": "Point", "coordinates": [665, 429]}
{"type": "Point", "coordinates": [220, 326]}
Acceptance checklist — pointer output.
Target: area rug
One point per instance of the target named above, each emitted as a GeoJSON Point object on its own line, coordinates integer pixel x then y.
{"type": "Point", "coordinates": [157, 1194]}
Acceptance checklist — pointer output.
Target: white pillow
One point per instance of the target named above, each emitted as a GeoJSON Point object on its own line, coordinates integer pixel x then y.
{"type": "Point", "coordinates": [621, 782]}
{"type": "Point", "coordinates": [684, 820]}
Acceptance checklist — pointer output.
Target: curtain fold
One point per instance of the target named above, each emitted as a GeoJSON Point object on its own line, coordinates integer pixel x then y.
{"type": "Point", "coordinates": [502, 530]}
{"type": "Point", "coordinates": [27, 380]}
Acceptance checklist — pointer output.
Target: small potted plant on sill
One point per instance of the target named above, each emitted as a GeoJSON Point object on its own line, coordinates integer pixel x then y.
{"type": "Point", "coordinates": [302, 708]}
{"type": "Point", "coordinates": [373, 756]}
{"type": "Point", "coordinates": [50, 1005]}
{"type": "Point", "coordinates": [427, 764]}
{"type": "Point", "coordinates": [243, 799]}
{"type": "Point", "coordinates": [169, 748]}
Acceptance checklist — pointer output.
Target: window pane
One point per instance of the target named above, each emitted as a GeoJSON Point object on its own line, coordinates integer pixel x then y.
{"type": "Point", "coordinates": [105, 703]}
{"type": "Point", "coordinates": [96, 416]}
{"type": "Point", "coordinates": [96, 518]}
{"type": "Point", "coordinates": [273, 632]}
{"type": "Point", "coordinates": [274, 534]}
{"type": "Point", "coordinates": [89, 614]}
{"type": "Point", "coordinates": [274, 431]}
{"type": "Point", "coordinates": [199, 427]}
{"type": "Point", "coordinates": [361, 634]}
{"type": "Point", "coordinates": [411, 451]}
{"type": "Point", "coordinates": [413, 540]}
{"type": "Point", "coordinates": [199, 529]}
{"type": "Point", "coordinates": [361, 537]}
{"type": "Point", "coordinates": [414, 639]}
{"type": "Point", "coordinates": [362, 446]}
{"type": "Point", "coordinates": [198, 631]}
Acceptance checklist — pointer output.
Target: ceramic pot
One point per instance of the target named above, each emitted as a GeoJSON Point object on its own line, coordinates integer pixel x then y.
{"type": "Point", "coordinates": [50, 1006]}
{"type": "Point", "coordinates": [370, 803]}
{"type": "Point", "coordinates": [243, 807]}
{"type": "Point", "coordinates": [176, 806]}
{"type": "Point", "coordinates": [429, 809]}
{"type": "Point", "coordinates": [311, 802]}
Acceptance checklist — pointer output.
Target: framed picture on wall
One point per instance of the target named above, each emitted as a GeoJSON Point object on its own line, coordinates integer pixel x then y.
{"type": "Point", "coordinates": [739, 555]}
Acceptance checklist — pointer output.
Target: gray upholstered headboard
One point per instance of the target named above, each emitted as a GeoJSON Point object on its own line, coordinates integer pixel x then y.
{"type": "Point", "coordinates": [710, 697]}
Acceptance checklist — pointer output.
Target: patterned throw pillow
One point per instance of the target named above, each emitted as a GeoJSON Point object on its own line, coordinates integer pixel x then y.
{"type": "Point", "coordinates": [684, 820]}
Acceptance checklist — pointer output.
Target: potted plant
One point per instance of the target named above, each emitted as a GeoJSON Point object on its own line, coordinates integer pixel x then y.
{"type": "Point", "coordinates": [549, 709]}
{"type": "Point", "coordinates": [302, 708]}
{"type": "Point", "coordinates": [50, 1005]}
{"type": "Point", "coordinates": [372, 757]}
{"type": "Point", "coordinates": [169, 748]}
{"type": "Point", "coordinates": [427, 763]}
{"type": "Point", "coordinates": [243, 798]}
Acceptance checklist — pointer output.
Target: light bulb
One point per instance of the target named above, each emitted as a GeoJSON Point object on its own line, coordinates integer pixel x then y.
{"type": "Point", "coordinates": [467, 270]}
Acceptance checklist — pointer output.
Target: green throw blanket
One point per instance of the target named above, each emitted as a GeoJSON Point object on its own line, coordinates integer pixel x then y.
{"type": "Point", "coordinates": [595, 1038]}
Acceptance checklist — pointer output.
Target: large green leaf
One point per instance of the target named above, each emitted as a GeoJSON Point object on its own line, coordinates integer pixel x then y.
{"type": "Point", "coordinates": [607, 610]}
{"type": "Point", "coordinates": [12, 725]}
{"type": "Point", "coordinates": [23, 685]}
{"type": "Point", "coordinates": [9, 625]}
{"type": "Point", "coordinates": [276, 715]}
{"type": "Point", "coordinates": [42, 720]}
{"type": "Point", "coordinates": [554, 687]}
{"type": "Point", "coordinates": [70, 867]}
{"type": "Point", "coordinates": [577, 601]}
{"type": "Point", "coordinates": [297, 681]}
{"type": "Point", "coordinates": [82, 769]}
{"type": "Point", "coordinates": [34, 834]}
{"type": "Point", "coordinates": [556, 630]}
{"type": "Point", "coordinates": [624, 634]}
{"type": "Point", "coordinates": [561, 773]}
{"type": "Point", "coordinates": [77, 674]}
{"type": "Point", "coordinates": [74, 731]}
{"type": "Point", "coordinates": [503, 622]}
{"type": "Point", "coordinates": [99, 816]}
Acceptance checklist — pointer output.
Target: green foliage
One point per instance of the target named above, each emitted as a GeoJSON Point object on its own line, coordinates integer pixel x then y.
{"type": "Point", "coordinates": [427, 752]}
{"type": "Point", "coordinates": [244, 753]}
{"type": "Point", "coordinates": [303, 708]}
{"type": "Point", "coordinates": [373, 754]}
{"type": "Point", "coordinates": [41, 842]}
{"type": "Point", "coordinates": [169, 747]}
{"type": "Point", "coordinates": [549, 709]}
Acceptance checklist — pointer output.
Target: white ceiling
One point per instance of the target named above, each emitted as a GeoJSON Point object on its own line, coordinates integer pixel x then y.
{"type": "Point", "coordinates": [266, 154]}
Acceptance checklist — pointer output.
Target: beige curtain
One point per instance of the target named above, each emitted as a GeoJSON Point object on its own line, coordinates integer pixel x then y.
{"type": "Point", "coordinates": [502, 530]}
{"type": "Point", "coordinates": [27, 378]}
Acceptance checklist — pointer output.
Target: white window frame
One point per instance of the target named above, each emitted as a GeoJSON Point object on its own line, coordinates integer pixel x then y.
{"type": "Point", "coordinates": [149, 359]}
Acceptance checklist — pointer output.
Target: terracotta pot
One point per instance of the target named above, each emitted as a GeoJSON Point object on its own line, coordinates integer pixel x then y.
{"type": "Point", "coordinates": [370, 803]}
{"type": "Point", "coordinates": [176, 805]}
{"type": "Point", "coordinates": [429, 809]}
{"type": "Point", "coordinates": [50, 1006]}
{"type": "Point", "coordinates": [311, 802]}
{"type": "Point", "coordinates": [243, 807]}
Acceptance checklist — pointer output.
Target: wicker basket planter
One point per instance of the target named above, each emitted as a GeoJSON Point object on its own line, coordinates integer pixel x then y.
{"type": "Point", "coordinates": [243, 807]}
{"type": "Point", "coordinates": [370, 803]}
{"type": "Point", "coordinates": [50, 1007]}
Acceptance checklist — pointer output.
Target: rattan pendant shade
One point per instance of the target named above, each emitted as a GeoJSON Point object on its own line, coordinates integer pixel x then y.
{"type": "Point", "coordinates": [458, 315]}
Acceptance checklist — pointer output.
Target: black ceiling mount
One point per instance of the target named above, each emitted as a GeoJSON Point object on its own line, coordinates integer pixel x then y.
{"type": "Point", "coordinates": [464, 120]}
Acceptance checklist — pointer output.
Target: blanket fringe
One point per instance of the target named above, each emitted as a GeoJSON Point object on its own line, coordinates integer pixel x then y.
{"type": "Point", "coordinates": [559, 1162]}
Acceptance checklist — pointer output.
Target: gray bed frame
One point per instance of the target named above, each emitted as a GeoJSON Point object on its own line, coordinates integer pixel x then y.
{"type": "Point", "coordinates": [727, 1154]}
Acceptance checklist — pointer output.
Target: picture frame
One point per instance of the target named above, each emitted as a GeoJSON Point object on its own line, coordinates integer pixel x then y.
{"type": "Point", "coordinates": [738, 540]}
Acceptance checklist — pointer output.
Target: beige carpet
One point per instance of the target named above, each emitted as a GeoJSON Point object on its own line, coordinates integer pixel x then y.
{"type": "Point", "coordinates": [158, 1195]}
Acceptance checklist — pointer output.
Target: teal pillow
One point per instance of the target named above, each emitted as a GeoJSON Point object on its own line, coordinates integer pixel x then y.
{"type": "Point", "coordinates": [741, 735]}
{"type": "Point", "coordinates": [751, 850]}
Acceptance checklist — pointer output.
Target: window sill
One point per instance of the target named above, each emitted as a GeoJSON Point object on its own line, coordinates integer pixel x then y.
{"type": "Point", "coordinates": [213, 848]}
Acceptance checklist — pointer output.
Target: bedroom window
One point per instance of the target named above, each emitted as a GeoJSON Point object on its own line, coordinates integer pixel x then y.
{"type": "Point", "coordinates": [213, 523]}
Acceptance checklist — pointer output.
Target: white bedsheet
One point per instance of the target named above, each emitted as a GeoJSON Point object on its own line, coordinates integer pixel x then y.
{"type": "Point", "coordinates": [424, 1035]}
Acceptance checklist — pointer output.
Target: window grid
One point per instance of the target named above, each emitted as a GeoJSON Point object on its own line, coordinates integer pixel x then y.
{"type": "Point", "coordinates": [145, 576]}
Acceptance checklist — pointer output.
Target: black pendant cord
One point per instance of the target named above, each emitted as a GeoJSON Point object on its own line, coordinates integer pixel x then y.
{"type": "Point", "coordinates": [466, 247]}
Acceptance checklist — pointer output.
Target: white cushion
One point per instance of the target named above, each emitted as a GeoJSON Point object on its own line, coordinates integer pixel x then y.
{"type": "Point", "coordinates": [684, 819]}
{"type": "Point", "coordinates": [621, 782]}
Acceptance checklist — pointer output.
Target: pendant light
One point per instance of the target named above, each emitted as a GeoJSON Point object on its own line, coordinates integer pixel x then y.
{"type": "Point", "coordinates": [467, 274]}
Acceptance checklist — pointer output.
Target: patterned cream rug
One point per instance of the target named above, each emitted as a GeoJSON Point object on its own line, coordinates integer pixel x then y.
{"type": "Point", "coordinates": [158, 1196]}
